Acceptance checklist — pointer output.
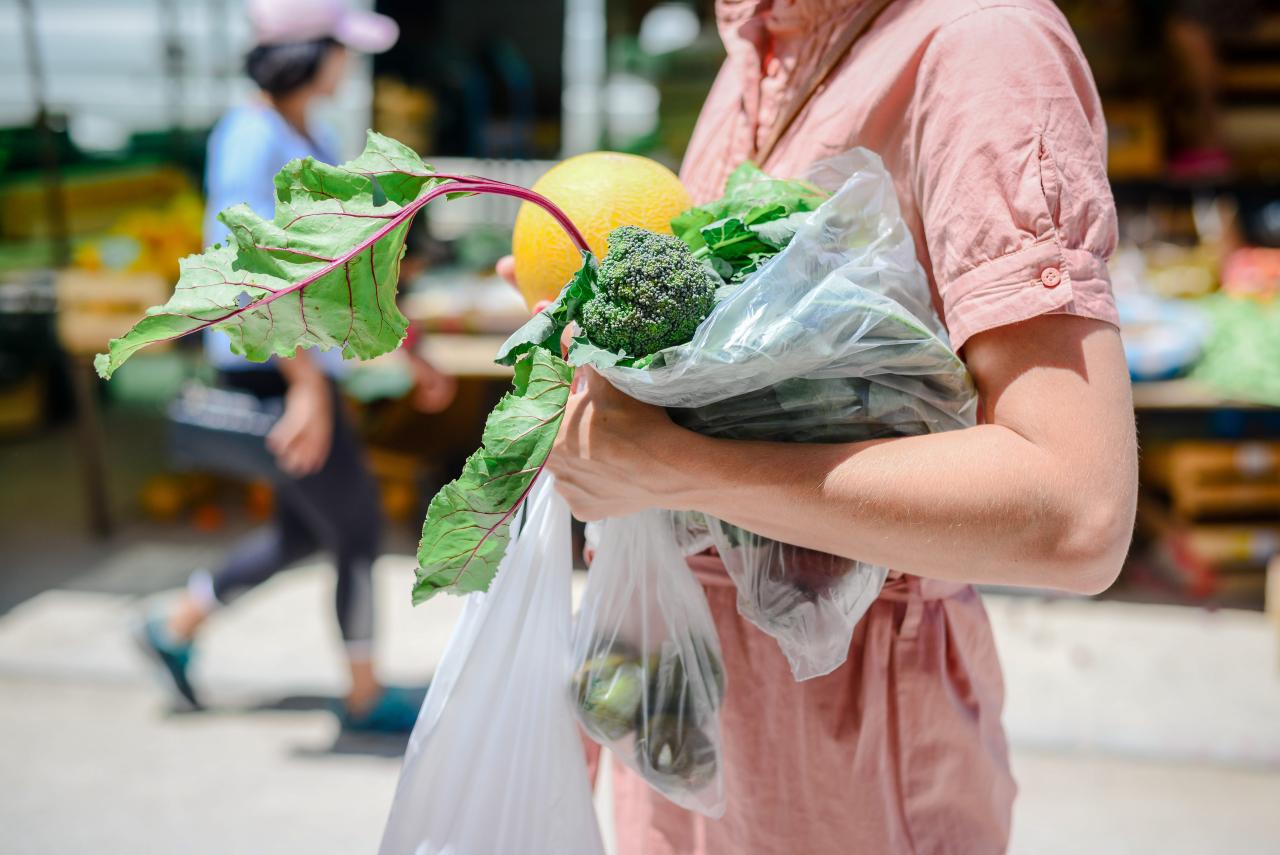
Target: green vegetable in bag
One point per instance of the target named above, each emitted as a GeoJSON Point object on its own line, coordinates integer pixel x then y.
{"type": "Point", "coordinates": [670, 687]}
{"type": "Point", "coordinates": [674, 753]}
{"type": "Point", "coordinates": [609, 689]}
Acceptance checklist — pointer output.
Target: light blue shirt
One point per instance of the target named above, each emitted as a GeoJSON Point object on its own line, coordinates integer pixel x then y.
{"type": "Point", "coordinates": [247, 147]}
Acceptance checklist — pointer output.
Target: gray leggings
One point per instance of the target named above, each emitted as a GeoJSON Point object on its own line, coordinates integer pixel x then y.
{"type": "Point", "coordinates": [334, 509]}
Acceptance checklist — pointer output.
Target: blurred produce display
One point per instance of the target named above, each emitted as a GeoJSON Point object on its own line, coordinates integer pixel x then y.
{"type": "Point", "coordinates": [1176, 271]}
{"type": "Point", "coordinates": [94, 197]}
{"type": "Point", "coordinates": [1194, 159]}
{"type": "Point", "coordinates": [455, 300]}
{"type": "Point", "coordinates": [94, 307]}
{"type": "Point", "coordinates": [147, 239]}
{"type": "Point", "coordinates": [1162, 337]}
{"type": "Point", "coordinates": [27, 346]}
{"type": "Point", "coordinates": [206, 502]}
{"type": "Point", "coordinates": [1242, 354]}
{"type": "Point", "coordinates": [1135, 140]}
{"type": "Point", "coordinates": [1252, 272]}
{"type": "Point", "coordinates": [405, 112]}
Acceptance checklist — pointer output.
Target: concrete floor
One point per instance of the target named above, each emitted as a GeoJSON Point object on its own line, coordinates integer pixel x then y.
{"type": "Point", "coordinates": [1182, 756]}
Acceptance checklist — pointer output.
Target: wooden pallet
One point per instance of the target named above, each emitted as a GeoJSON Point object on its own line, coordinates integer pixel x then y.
{"type": "Point", "coordinates": [1210, 479]}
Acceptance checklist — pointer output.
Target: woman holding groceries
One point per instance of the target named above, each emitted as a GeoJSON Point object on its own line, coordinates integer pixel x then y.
{"type": "Point", "coordinates": [986, 116]}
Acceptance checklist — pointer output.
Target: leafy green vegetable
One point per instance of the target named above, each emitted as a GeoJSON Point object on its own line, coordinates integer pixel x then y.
{"type": "Point", "coordinates": [583, 352]}
{"type": "Point", "coordinates": [468, 522]}
{"type": "Point", "coordinates": [544, 329]}
{"type": "Point", "coordinates": [734, 236]}
{"type": "Point", "coordinates": [322, 273]}
{"type": "Point", "coordinates": [675, 754]}
{"type": "Point", "coordinates": [609, 688]}
{"type": "Point", "coordinates": [731, 239]}
{"type": "Point", "coordinates": [650, 294]}
{"type": "Point", "coordinates": [754, 219]}
{"type": "Point", "coordinates": [1240, 358]}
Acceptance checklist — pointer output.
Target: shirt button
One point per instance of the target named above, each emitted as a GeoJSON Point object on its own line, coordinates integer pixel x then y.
{"type": "Point", "coordinates": [1050, 277]}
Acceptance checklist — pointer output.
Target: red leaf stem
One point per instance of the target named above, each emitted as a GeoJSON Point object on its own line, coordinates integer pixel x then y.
{"type": "Point", "coordinates": [449, 184]}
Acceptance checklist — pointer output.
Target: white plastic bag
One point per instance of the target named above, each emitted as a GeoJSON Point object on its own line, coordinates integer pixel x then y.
{"type": "Point", "coordinates": [495, 763]}
{"type": "Point", "coordinates": [833, 340]}
{"type": "Point", "coordinates": [649, 679]}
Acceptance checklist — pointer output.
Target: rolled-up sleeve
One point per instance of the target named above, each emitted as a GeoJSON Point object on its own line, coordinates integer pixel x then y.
{"type": "Point", "coordinates": [1009, 154]}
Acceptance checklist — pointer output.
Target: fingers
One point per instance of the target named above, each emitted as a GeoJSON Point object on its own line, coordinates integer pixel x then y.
{"type": "Point", "coordinates": [506, 268]}
{"type": "Point", "coordinates": [441, 395]}
{"type": "Point", "coordinates": [445, 391]}
{"type": "Point", "coordinates": [298, 451]}
{"type": "Point", "coordinates": [279, 437]}
{"type": "Point", "coordinates": [296, 458]}
{"type": "Point", "coordinates": [305, 458]}
{"type": "Point", "coordinates": [582, 379]}
{"type": "Point", "coordinates": [435, 393]}
{"type": "Point", "coordinates": [290, 459]}
{"type": "Point", "coordinates": [293, 462]}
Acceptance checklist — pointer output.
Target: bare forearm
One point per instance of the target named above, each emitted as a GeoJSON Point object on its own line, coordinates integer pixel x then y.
{"type": "Point", "coordinates": [302, 368]}
{"type": "Point", "coordinates": [1042, 493]}
{"type": "Point", "coordinates": [978, 505]}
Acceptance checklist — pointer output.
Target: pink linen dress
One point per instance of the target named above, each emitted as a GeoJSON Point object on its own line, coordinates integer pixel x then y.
{"type": "Point", "coordinates": [986, 115]}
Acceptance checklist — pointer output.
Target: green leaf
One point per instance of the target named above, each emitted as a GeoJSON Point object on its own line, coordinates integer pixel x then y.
{"type": "Point", "coordinates": [763, 214]}
{"type": "Point", "coordinates": [688, 226]}
{"type": "Point", "coordinates": [743, 174]}
{"type": "Point", "coordinates": [468, 523]}
{"type": "Point", "coordinates": [755, 219]}
{"type": "Point", "coordinates": [720, 267]}
{"type": "Point", "coordinates": [731, 239]}
{"type": "Point", "coordinates": [544, 329]}
{"type": "Point", "coordinates": [777, 233]}
{"type": "Point", "coordinates": [583, 352]}
{"type": "Point", "coordinates": [321, 273]}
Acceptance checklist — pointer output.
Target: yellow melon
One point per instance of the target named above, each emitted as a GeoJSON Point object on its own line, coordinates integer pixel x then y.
{"type": "Point", "coordinates": [598, 191]}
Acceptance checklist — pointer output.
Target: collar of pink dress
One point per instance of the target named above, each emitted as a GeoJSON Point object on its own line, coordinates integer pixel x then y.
{"type": "Point", "coordinates": [773, 43]}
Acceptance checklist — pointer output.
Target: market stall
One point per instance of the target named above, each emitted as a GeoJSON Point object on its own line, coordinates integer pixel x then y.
{"type": "Point", "coordinates": [1197, 272]}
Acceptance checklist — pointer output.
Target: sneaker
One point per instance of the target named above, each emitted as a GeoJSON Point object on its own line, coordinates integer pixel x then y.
{"type": "Point", "coordinates": [174, 657]}
{"type": "Point", "coordinates": [395, 712]}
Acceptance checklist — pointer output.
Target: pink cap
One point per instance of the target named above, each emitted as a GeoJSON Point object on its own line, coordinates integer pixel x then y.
{"type": "Point", "coordinates": [283, 21]}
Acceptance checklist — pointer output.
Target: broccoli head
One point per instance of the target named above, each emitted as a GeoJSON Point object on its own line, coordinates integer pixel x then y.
{"type": "Point", "coordinates": [651, 293]}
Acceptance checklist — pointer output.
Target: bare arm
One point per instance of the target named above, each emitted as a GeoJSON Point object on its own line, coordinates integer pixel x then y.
{"type": "Point", "coordinates": [1042, 494]}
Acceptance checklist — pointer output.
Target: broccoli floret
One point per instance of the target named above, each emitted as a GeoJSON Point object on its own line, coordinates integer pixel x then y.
{"type": "Point", "coordinates": [651, 294]}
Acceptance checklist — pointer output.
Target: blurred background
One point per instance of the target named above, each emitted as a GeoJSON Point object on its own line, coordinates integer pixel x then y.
{"type": "Point", "coordinates": [1147, 719]}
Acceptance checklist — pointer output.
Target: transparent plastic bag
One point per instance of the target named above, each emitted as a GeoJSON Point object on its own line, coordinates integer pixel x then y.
{"type": "Point", "coordinates": [495, 763]}
{"type": "Point", "coordinates": [648, 680]}
{"type": "Point", "coordinates": [834, 340]}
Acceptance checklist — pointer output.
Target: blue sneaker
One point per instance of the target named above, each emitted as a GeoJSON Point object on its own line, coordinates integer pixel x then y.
{"type": "Point", "coordinates": [395, 712]}
{"type": "Point", "coordinates": [174, 657]}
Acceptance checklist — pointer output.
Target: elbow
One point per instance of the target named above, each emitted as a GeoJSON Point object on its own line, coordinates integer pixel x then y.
{"type": "Point", "coordinates": [1090, 550]}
